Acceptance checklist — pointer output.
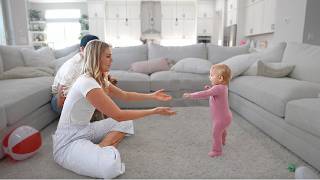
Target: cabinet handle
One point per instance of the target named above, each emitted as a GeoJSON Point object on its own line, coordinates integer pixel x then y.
{"type": "Point", "coordinates": [272, 26]}
{"type": "Point", "coordinates": [230, 6]}
{"type": "Point", "coordinates": [205, 15]}
{"type": "Point", "coordinates": [251, 30]}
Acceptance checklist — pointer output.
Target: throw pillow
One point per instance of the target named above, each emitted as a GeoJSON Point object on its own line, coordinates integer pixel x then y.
{"type": "Point", "coordinates": [276, 70]}
{"type": "Point", "coordinates": [150, 66]}
{"type": "Point", "coordinates": [26, 72]}
{"type": "Point", "coordinates": [41, 57]}
{"type": "Point", "coordinates": [192, 65]}
{"type": "Point", "coordinates": [239, 64]}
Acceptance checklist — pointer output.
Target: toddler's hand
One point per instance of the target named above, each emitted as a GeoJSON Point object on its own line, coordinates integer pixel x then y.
{"type": "Point", "coordinates": [186, 95]}
{"type": "Point", "coordinates": [207, 87]}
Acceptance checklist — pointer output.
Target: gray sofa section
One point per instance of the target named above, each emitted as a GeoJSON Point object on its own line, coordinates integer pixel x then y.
{"type": "Point", "coordinates": [25, 101]}
{"type": "Point", "coordinates": [174, 83]}
{"type": "Point", "coordinates": [287, 109]}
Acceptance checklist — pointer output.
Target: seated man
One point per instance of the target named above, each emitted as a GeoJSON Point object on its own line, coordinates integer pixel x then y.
{"type": "Point", "coordinates": [66, 76]}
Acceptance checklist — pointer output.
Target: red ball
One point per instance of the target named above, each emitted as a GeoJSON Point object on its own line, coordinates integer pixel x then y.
{"type": "Point", "coordinates": [22, 143]}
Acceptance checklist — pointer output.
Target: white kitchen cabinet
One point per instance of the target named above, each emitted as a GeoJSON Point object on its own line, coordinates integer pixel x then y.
{"type": "Point", "coordinates": [269, 16]}
{"type": "Point", "coordinates": [205, 26]}
{"type": "Point", "coordinates": [123, 21]}
{"type": "Point", "coordinates": [232, 4]}
{"type": "Point", "coordinates": [96, 17]}
{"type": "Point", "coordinates": [178, 19]}
{"type": "Point", "coordinates": [255, 18]}
{"type": "Point", "coordinates": [205, 18]}
{"type": "Point", "coordinates": [205, 9]}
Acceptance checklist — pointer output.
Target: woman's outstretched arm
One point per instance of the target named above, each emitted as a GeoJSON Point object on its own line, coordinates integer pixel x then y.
{"type": "Point", "coordinates": [134, 96]}
{"type": "Point", "coordinates": [98, 98]}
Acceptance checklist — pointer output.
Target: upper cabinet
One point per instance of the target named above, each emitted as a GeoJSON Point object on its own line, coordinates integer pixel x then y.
{"type": "Point", "coordinates": [178, 19]}
{"type": "Point", "coordinates": [205, 18]}
{"type": "Point", "coordinates": [96, 17]}
{"type": "Point", "coordinates": [232, 11]}
{"type": "Point", "coordinates": [259, 17]}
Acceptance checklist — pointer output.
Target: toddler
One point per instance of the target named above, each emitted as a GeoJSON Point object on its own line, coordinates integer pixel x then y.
{"type": "Point", "coordinates": [220, 75]}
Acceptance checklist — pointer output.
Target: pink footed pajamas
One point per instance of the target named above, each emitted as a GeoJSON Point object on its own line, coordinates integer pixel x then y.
{"type": "Point", "coordinates": [221, 115]}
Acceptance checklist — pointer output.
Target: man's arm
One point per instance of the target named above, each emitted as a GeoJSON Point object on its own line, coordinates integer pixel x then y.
{"type": "Point", "coordinates": [60, 96]}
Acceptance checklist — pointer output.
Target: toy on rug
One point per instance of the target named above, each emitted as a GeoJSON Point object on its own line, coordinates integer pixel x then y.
{"type": "Point", "coordinates": [291, 167]}
{"type": "Point", "coordinates": [304, 172]}
{"type": "Point", "coordinates": [22, 143]}
{"type": "Point", "coordinates": [220, 75]}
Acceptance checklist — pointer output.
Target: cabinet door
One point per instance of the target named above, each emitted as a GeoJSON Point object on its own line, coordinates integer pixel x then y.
{"type": "Point", "coordinates": [189, 29]}
{"type": "Point", "coordinates": [167, 28]}
{"type": "Point", "coordinates": [96, 27]}
{"type": "Point", "coordinates": [96, 9]}
{"type": "Point", "coordinates": [168, 10]}
{"type": "Point", "coordinates": [205, 26]}
{"type": "Point", "coordinates": [205, 9]}
{"type": "Point", "coordinates": [269, 15]}
{"type": "Point", "coordinates": [133, 11]}
{"type": "Point", "coordinates": [232, 4]}
{"type": "Point", "coordinates": [249, 13]}
{"type": "Point", "coordinates": [116, 11]}
{"type": "Point", "coordinates": [258, 17]}
{"type": "Point", "coordinates": [112, 29]}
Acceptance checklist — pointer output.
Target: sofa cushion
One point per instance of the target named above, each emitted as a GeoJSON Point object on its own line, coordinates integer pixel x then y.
{"type": "Point", "coordinates": [275, 70]}
{"type": "Point", "coordinates": [175, 81]}
{"type": "Point", "coordinates": [272, 94]}
{"type": "Point", "coordinates": [36, 58]}
{"type": "Point", "coordinates": [177, 53]}
{"type": "Point", "coordinates": [304, 114]}
{"type": "Point", "coordinates": [11, 56]}
{"type": "Point", "coordinates": [217, 54]}
{"type": "Point", "coordinates": [59, 53]}
{"type": "Point", "coordinates": [150, 66]}
{"type": "Point", "coordinates": [20, 97]}
{"type": "Point", "coordinates": [132, 81]}
{"type": "Point", "coordinates": [192, 65]}
{"type": "Point", "coordinates": [305, 57]}
{"type": "Point", "coordinates": [123, 57]}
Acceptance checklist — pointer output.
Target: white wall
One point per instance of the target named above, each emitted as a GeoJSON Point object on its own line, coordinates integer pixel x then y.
{"type": "Point", "coordinates": [312, 23]}
{"type": "Point", "coordinates": [15, 16]}
{"type": "Point", "coordinates": [290, 20]}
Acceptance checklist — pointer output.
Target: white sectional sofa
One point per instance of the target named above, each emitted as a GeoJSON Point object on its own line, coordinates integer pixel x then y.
{"type": "Point", "coordinates": [287, 109]}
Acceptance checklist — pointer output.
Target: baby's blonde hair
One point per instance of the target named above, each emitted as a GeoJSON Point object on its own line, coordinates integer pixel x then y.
{"type": "Point", "coordinates": [92, 56]}
{"type": "Point", "coordinates": [222, 70]}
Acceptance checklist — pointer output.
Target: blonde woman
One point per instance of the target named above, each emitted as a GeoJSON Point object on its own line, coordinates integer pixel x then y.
{"type": "Point", "coordinates": [88, 148]}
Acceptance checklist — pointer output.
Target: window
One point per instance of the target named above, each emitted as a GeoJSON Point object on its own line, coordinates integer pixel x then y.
{"type": "Point", "coordinates": [63, 27]}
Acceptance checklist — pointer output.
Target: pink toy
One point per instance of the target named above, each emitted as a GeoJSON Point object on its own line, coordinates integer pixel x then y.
{"type": "Point", "coordinates": [22, 143]}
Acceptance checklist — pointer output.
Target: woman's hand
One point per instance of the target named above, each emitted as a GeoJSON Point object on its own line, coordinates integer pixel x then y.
{"type": "Point", "coordinates": [207, 87]}
{"type": "Point", "coordinates": [161, 96]}
{"type": "Point", "coordinates": [186, 96]}
{"type": "Point", "coordinates": [164, 111]}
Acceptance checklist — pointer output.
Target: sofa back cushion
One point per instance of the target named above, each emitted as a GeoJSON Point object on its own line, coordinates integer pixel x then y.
{"type": "Point", "coordinates": [217, 54]}
{"type": "Point", "coordinates": [177, 53]}
{"type": "Point", "coordinates": [11, 56]}
{"type": "Point", "coordinates": [66, 51]}
{"type": "Point", "coordinates": [306, 59]}
{"type": "Point", "coordinates": [123, 57]}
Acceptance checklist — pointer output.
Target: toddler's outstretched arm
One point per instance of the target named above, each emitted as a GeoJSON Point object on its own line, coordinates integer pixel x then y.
{"type": "Point", "coordinates": [213, 91]}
